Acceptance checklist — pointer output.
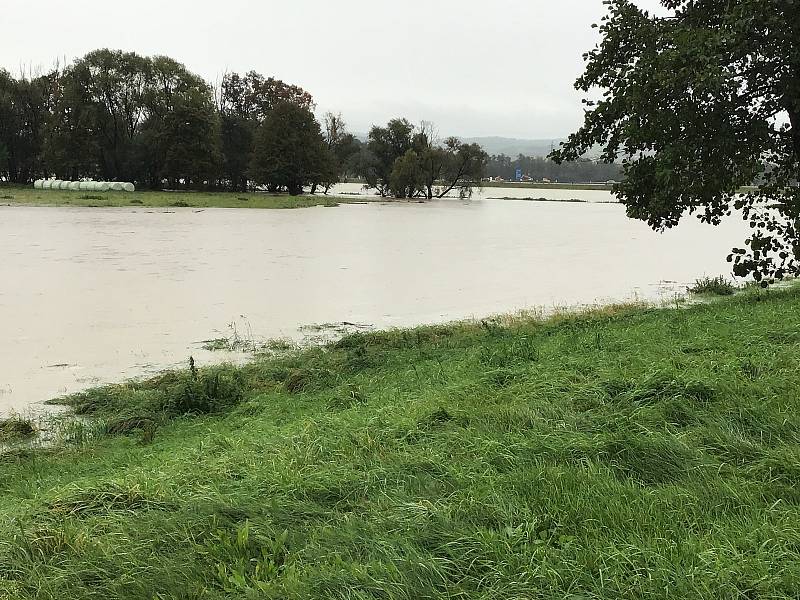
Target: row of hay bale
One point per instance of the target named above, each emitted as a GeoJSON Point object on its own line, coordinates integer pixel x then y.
{"type": "Point", "coordinates": [84, 186]}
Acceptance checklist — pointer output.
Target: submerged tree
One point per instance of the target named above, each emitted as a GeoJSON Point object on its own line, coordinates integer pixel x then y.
{"type": "Point", "coordinates": [464, 167]}
{"type": "Point", "coordinates": [341, 147]}
{"type": "Point", "coordinates": [385, 146]}
{"type": "Point", "coordinates": [420, 168]}
{"type": "Point", "coordinates": [408, 162]}
{"type": "Point", "coordinates": [698, 104]}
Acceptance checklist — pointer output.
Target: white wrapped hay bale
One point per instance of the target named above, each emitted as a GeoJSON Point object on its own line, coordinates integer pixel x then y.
{"type": "Point", "coordinates": [46, 184]}
{"type": "Point", "coordinates": [128, 187]}
{"type": "Point", "coordinates": [75, 186]}
{"type": "Point", "coordinates": [103, 186]}
{"type": "Point", "coordinates": [85, 186]}
{"type": "Point", "coordinates": [56, 184]}
{"type": "Point", "coordinates": [64, 185]}
{"type": "Point", "coordinates": [116, 186]}
{"type": "Point", "coordinates": [37, 185]}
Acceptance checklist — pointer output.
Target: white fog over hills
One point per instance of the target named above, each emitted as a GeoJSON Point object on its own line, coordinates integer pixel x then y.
{"type": "Point", "coordinates": [513, 146]}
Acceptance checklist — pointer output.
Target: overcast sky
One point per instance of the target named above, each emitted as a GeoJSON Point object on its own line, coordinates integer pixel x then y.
{"type": "Point", "coordinates": [474, 67]}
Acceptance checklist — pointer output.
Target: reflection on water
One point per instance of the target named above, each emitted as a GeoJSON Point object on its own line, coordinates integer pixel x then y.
{"type": "Point", "coordinates": [98, 295]}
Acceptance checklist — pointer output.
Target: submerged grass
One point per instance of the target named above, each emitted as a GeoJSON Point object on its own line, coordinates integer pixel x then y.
{"type": "Point", "coordinates": [623, 453]}
{"type": "Point", "coordinates": [15, 429]}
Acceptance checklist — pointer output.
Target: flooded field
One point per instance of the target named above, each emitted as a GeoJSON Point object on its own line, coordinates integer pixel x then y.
{"type": "Point", "coordinates": [99, 295]}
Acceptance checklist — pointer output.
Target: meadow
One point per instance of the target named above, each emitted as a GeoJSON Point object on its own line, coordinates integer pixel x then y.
{"type": "Point", "coordinates": [31, 197]}
{"type": "Point", "coordinates": [623, 452]}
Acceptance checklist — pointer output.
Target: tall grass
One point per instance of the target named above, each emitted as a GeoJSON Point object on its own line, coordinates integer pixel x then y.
{"type": "Point", "coordinates": [623, 453]}
{"type": "Point", "coordinates": [715, 286]}
{"type": "Point", "coordinates": [16, 428]}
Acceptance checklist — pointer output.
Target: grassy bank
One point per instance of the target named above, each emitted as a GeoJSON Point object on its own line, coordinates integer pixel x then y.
{"type": "Point", "coordinates": [624, 453]}
{"type": "Point", "coordinates": [33, 197]}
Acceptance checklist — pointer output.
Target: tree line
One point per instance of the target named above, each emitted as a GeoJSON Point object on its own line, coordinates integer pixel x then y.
{"type": "Point", "coordinates": [581, 170]}
{"type": "Point", "coordinates": [119, 116]}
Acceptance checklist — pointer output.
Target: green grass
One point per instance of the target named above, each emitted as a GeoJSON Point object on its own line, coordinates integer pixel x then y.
{"type": "Point", "coordinates": [32, 197]}
{"type": "Point", "coordinates": [15, 429]}
{"type": "Point", "coordinates": [623, 453]}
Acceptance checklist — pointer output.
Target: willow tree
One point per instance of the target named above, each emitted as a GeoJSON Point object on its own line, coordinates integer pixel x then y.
{"type": "Point", "coordinates": [698, 103]}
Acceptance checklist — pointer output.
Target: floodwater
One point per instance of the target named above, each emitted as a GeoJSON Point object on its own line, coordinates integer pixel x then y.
{"type": "Point", "coordinates": [94, 295]}
{"type": "Point", "coordinates": [519, 192]}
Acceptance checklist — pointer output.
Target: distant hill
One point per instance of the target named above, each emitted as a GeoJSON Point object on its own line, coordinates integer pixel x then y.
{"type": "Point", "coordinates": [513, 146]}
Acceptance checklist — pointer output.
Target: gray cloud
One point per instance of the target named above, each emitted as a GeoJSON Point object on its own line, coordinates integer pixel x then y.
{"type": "Point", "coordinates": [504, 67]}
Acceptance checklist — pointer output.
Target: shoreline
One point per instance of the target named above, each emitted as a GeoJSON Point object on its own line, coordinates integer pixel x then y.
{"type": "Point", "coordinates": [19, 196]}
{"type": "Point", "coordinates": [579, 439]}
{"type": "Point", "coordinates": [238, 351]}
{"type": "Point", "coordinates": [235, 350]}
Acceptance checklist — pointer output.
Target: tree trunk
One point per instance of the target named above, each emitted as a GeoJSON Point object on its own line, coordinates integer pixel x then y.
{"type": "Point", "coordinates": [794, 120]}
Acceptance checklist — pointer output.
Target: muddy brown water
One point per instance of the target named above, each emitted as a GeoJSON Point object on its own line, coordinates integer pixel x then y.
{"type": "Point", "coordinates": [89, 296]}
